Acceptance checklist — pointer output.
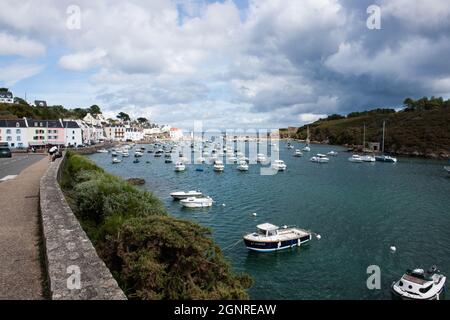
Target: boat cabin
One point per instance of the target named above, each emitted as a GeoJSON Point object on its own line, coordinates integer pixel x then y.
{"type": "Point", "coordinates": [267, 229]}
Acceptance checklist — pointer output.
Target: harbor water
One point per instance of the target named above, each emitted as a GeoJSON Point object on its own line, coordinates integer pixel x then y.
{"type": "Point", "coordinates": [359, 209]}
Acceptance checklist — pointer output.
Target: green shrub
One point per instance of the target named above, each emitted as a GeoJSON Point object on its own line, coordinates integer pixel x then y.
{"type": "Point", "coordinates": [164, 258]}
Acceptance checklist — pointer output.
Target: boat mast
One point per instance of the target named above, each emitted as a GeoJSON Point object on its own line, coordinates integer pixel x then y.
{"type": "Point", "coordinates": [307, 135]}
{"type": "Point", "coordinates": [382, 146]}
{"type": "Point", "coordinates": [364, 138]}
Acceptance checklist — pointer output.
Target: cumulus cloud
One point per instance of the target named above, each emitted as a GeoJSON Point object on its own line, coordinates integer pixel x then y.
{"type": "Point", "coordinates": [269, 63]}
{"type": "Point", "coordinates": [21, 46]}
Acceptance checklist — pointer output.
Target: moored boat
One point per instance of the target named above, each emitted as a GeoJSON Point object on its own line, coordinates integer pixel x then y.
{"type": "Point", "coordinates": [279, 165]}
{"type": "Point", "coordinates": [180, 166]}
{"type": "Point", "coordinates": [218, 165]}
{"type": "Point", "coordinates": [298, 153]}
{"type": "Point", "coordinates": [419, 285]}
{"type": "Point", "coordinates": [356, 158]}
{"type": "Point", "coordinates": [102, 151]}
{"type": "Point", "coordinates": [197, 202]}
{"type": "Point", "coordinates": [115, 160]}
{"type": "Point", "coordinates": [368, 158]}
{"type": "Point", "coordinates": [243, 166]}
{"type": "Point", "coordinates": [269, 237]}
{"type": "Point", "coordinates": [319, 158]}
{"type": "Point", "coordinates": [178, 195]}
{"type": "Point", "coordinates": [332, 153]}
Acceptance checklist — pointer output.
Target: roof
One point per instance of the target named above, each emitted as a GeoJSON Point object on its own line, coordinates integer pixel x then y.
{"type": "Point", "coordinates": [13, 123]}
{"type": "Point", "coordinates": [267, 227]}
{"type": "Point", "coordinates": [45, 123]}
{"type": "Point", "coordinates": [71, 124]}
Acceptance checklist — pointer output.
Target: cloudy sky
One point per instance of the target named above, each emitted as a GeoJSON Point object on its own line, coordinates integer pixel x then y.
{"type": "Point", "coordinates": [232, 64]}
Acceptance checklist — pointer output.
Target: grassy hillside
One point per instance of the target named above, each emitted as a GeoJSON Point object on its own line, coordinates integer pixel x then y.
{"type": "Point", "coordinates": [420, 131]}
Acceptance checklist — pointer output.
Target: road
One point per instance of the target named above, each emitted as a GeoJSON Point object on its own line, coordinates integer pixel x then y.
{"type": "Point", "coordinates": [20, 268]}
{"type": "Point", "coordinates": [11, 167]}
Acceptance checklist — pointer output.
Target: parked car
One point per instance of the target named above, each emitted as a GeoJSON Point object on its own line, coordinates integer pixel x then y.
{"type": "Point", "coordinates": [5, 152]}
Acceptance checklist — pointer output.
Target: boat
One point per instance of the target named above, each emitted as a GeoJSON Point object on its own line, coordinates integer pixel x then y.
{"type": "Point", "coordinates": [179, 166]}
{"type": "Point", "coordinates": [368, 158]}
{"type": "Point", "coordinates": [178, 195]}
{"type": "Point", "coordinates": [115, 160]}
{"type": "Point", "coordinates": [447, 168]}
{"type": "Point", "coordinates": [218, 166]}
{"type": "Point", "coordinates": [269, 237]}
{"type": "Point", "coordinates": [260, 157]}
{"type": "Point", "coordinates": [419, 285]}
{"type": "Point", "coordinates": [279, 165]}
{"type": "Point", "coordinates": [232, 159]}
{"type": "Point", "coordinates": [113, 153]}
{"type": "Point", "coordinates": [199, 169]}
{"type": "Point", "coordinates": [383, 157]}
{"type": "Point", "coordinates": [319, 158]}
{"type": "Point", "coordinates": [243, 166]}
{"type": "Point", "coordinates": [168, 160]}
{"type": "Point", "coordinates": [136, 161]}
{"type": "Point", "coordinates": [298, 153]}
{"type": "Point", "coordinates": [355, 158]}
{"type": "Point", "coordinates": [201, 160]}
{"type": "Point", "coordinates": [332, 153]}
{"type": "Point", "coordinates": [102, 151]}
{"type": "Point", "coordinates": [289, 146]}
{"type": "Point", "coordinates": [138, 154]}
{"type": "Point", "coordinates": [193, 202]}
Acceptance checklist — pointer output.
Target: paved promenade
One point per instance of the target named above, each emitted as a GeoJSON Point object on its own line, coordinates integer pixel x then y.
{"type": "Point", "coordinates": [20, 269]}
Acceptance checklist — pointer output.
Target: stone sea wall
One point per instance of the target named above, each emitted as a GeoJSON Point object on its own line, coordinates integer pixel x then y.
{"type": "Point", "coordinates": [75, 271]}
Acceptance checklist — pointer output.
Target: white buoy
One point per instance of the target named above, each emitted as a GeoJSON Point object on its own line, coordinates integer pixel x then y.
{"type": "Point", "coordinates": [393, 249]}
{"type": "Point", "coordinates": [254, 214]}
{"type": "Point", "coordinates": [318, 237]}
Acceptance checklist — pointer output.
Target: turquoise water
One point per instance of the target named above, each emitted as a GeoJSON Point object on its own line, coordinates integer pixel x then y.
{"type": "Point", "coordinates": [359, 210]}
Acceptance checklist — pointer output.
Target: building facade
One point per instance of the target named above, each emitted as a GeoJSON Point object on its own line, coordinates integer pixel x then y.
{"type": "Point", "coordinates": [73, 134]}
{"type": "Point", "coordinates": [14, 132]}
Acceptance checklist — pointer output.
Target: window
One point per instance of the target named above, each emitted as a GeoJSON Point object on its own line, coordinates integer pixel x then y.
{"type": "Point", "coordinates": [8, 138]}
{"type": "Point", "coordinates": [17, 124]}
{"type": "Point", "coordinates": [73, 131]}
{"type": "Point", "coordinates": [425, 290]}
{"type": "Point", "coordinates": [8, 131]}
{"type": "Point", "coordinates": [18, 138]}
{"type": "Point", "coordinates": [18, 131]}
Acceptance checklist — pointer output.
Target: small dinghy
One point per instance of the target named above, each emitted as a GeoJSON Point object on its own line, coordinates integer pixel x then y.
{"type": "Point", "coordinates": [178, 195]}
{"type": "Point", "coordinates": [269, 237]}
{"type": "Point", "coordinates": [115, 160]}
{"type": "Point", "coordinates": [298, 153]}
{"type": "Point", "coordinates": [197, 202]}
{"type": "Point", "coordinates": [419, 285]}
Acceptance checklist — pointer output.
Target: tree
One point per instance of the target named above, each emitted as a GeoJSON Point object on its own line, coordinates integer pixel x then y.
{"type": "Point", "coordinates": [123, 116]}
{"type": "Point", "coordinates": [94, 109]}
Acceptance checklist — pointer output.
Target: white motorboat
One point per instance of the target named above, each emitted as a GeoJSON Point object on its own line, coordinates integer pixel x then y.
{"type": "Point", "coordinates": [115, 160]}
{"type": "Point", "coordinates": [272, 238]}
{"type": "Point", "coordinates": [447, 168]}
{"type": "Point", "coordinates": [180, 166]}
{"type": "Point", "coordinates": [178, 195]}
{"type": "Point", "coordinates": [243, 166]}
{"type": "Point", "coordinates": [260, 157]}
{"type": "Point", "coordinates": [319, 158]}
{"type": "Point", "coordinates": [138, 154]}
{"type": "Point", "coordinates": [306, 149]}
{"type": "Point", "coordinates": [201, 160]}
{"type": "Point", "coordinates": [332, 153]}
{"type": "Point", "coordinates": [125, 153]}
{"type": "Point", "coordinates": [218, 165]}
{"type": "Point", "coordinates": [298, 153]}
{"type": "Point", "coordinates": [368, 158]}
{"type": "Point", "coordinates": [355, 158]}
{"type": "Point", "coordinates": [102, 151]}
{"type": "Point", "coordinates": [114, 153]}
{"type": "Point", "coordinates": [279, 165]}
{"type": "Point", "coordinates": [197, 202]}
{"type": "Point", "coordinates": [419, 285]}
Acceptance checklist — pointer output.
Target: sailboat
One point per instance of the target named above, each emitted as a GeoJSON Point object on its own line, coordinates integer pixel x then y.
{"type": "Point", "coordinates": [307, 148]}
{"type": "Point", "coordinates": [383, 157]}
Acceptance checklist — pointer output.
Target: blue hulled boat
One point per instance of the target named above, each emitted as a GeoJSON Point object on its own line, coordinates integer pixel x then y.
{"type": "Point", "coordinates": [269, 237]}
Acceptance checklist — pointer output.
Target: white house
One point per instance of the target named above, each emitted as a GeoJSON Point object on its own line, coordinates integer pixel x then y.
{"type": "Point", "coordinates": [176, 134]}
{"type": "Point", "coordinates": [6, 97]}
{"type": "Point", "coordinates": [14, 132]}
{"type": "Point", "coordinates": [73, 134]}
{"type": "Point", "coordinates": [134, 134]}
